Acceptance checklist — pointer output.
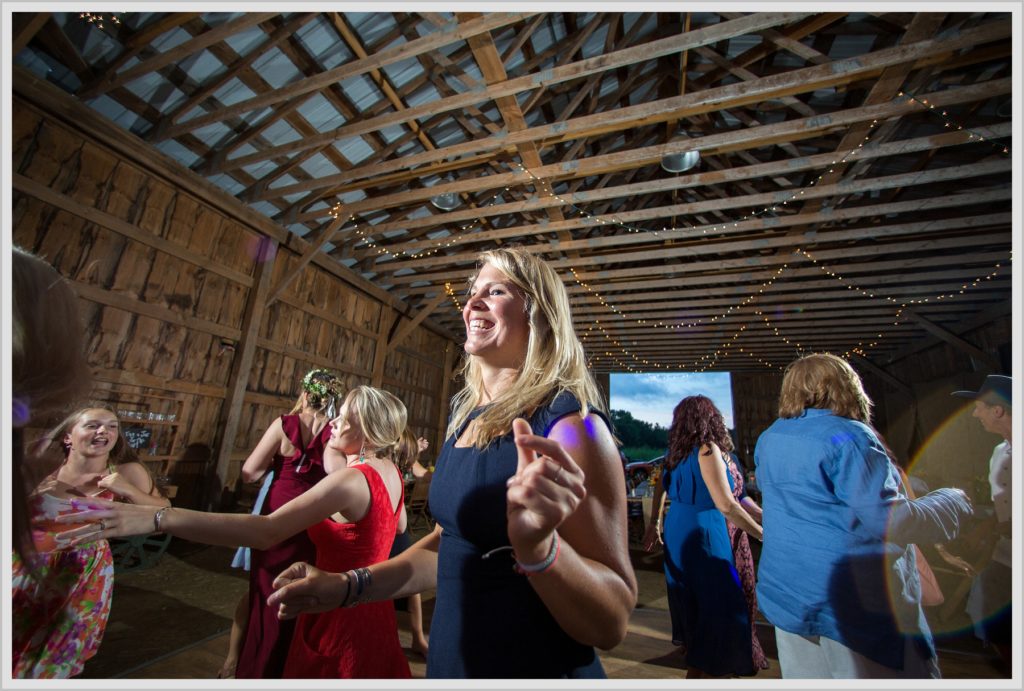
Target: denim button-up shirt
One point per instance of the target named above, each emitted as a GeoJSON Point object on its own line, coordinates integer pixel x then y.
{"type": "Point", "coordinates": [837, 559]}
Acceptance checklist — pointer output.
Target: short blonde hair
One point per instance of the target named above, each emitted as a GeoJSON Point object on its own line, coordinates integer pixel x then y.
{"type": "Point", "coordinates": [555, 360]}
{"type": "Point", "coordinates": [382, 418]}
{"type": "Point", "coordinates": [823, 380]}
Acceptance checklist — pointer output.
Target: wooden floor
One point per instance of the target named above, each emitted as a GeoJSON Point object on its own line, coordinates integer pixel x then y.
{"type": "Point", "coordinates": [171, 622]}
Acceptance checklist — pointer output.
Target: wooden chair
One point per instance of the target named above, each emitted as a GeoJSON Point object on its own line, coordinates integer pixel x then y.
{"type": "Point", "coordinates": [138, 552]}
{"type": "Point", "coordinates": [416, 509]}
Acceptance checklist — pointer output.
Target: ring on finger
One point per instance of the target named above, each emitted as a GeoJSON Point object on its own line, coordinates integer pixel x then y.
{"type": "Point", "coordinates": [103, 524]}
{"type": "Point", "coordinates": [558, 475]}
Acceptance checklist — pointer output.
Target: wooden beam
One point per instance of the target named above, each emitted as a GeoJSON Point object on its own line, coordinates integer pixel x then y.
{"type": "Point", "coordinates": [583, 68]}
{"type": "Point", "coordinates": [50, 196]}
{"type": "Point", "coordinates": [142, 39]}
{"type": "Point", "coordinates": [409, 49]}
{"type": "Point", "coordinates": [25, 26]}
{"type": "Point", "coordinates": [121, 376]}
{"type": "Point", "coordinates": [791, 130]}
{"type": "Point", "coordinates": [112, 80]}
{"type": "Point", "coordinates": [679, 182]}
{"type": "Point", "coordinates": [698, 245]}
{"type": "Point", "coordinates": [208, 87]}
{"type": "Point", "coordinates": [997, 311]}
{"type": "Point", "coordinates": [902, 386]}
{"type": "Point", "coordinates": [750, 201]}
{"type": "Point", "coordinates": [423, 313]}
{"type": "Point", "coordinates": [954, 340]}
{"type": "Point", "coordinates": [386, 322]}
{"type": "Point", "coordinates": [443, 411]}
{"type": "Point", "coordinates": [706, 101]}
{"type": "Point", "coordinates": [231, 411]}
{"type": "Point", "coordinates": [126, 303]}
{"type": "Point", "coordinates": [327, 235]}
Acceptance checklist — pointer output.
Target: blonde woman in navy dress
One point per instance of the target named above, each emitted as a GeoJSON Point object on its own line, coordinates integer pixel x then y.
{"type": "Point", "coordinates": [530, 556]}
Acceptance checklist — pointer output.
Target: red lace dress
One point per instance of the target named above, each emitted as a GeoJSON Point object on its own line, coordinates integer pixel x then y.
{"type": "Point", "coordinates": [359, 642]}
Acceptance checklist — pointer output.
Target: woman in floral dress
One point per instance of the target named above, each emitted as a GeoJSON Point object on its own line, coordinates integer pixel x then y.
{"type": "Point", "coordinates": [61, 595]}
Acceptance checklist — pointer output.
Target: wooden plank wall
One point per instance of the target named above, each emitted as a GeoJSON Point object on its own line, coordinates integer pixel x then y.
{"type": "Point", "coordinates": [164, 278]}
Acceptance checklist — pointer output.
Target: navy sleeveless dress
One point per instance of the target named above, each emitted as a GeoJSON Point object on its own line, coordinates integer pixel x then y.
{"type": "Point", "coordinates": [488, 622]}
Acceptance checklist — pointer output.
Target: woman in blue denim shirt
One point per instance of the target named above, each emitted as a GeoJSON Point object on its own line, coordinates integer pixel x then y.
{"type": "Point", "coordinates": [837, 574]}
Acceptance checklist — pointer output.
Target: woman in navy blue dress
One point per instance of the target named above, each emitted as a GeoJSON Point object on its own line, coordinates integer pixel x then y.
{"type": "Point", "coordinates": [530, 555]}
{"type": "Point", "coordinates": [709, 610]}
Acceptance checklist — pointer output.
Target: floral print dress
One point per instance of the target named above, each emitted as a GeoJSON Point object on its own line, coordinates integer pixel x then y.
{"type": "Point", "coordinates": [60, 607]}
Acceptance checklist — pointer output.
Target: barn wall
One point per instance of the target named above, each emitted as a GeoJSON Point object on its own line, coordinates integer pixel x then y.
{"type": "Point", "coordinates": [164, 278]}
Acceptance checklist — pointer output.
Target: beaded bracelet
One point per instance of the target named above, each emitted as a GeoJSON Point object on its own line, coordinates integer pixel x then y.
{"type": "Point", "coordinates": [541, 567]}
{"type": "Point", "coordinates": [158, 518]}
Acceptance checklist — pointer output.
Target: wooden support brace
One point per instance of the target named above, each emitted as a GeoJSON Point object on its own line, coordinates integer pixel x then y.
{"type": "Point", "coordinates": [407, 329]}
{"type": "Point", "coordinates": [882, 374]}
{"type": "Point", "coordinates": [232, 411]}
{"type": "Point", "coordinates": [954, 340]}
{"type": "Point", "coordinates": [314, 247]}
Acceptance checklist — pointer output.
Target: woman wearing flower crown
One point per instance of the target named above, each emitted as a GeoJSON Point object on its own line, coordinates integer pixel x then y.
{"type": "Point", "coordinates": [292, 449]}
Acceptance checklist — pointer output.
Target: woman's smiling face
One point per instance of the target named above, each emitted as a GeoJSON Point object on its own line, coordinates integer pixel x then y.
{"type": "Point", "coordinates": [497, 325]}
{"type": "Point", "coordinates": [94, 434]}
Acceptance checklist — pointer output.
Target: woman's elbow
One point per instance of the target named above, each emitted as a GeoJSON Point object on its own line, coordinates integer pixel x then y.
{"type": "Point", "coordinates": [249, 476]}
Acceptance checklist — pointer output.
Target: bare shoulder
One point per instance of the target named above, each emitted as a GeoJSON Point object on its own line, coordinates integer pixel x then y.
{"type": "Point", "coordinates": [587, 439]}
{"type": "Point", "coordinates": [135, 473]}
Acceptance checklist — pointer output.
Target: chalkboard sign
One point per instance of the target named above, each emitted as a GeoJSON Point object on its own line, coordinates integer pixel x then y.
{"type": "Point", "coordinates": [137, 437]}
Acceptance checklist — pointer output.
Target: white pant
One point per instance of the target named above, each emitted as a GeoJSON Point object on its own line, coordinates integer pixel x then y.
{"type": "Point", "coordinates": [817, 657]}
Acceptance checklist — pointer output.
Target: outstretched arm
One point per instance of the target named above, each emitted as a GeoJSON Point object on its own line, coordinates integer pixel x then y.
{"type": "Point", "coordinates": [302, 588]}
{"type": "Point", "coordinates": [343, 491]}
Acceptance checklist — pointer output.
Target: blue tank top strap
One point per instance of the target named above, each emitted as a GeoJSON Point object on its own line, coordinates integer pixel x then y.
{"type": "Point", "coordinates": [565, 403]}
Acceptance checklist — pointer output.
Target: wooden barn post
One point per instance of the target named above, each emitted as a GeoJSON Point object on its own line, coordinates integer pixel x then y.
{"type": "Point", "coordinates": [242, 363]}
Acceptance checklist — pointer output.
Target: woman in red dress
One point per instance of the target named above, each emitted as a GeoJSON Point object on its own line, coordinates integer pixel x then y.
{"type": "Point", "coordinates": [352, 514]}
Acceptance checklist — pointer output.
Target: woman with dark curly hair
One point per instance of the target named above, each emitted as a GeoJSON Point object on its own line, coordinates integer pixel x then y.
{"type": "Point", "coordinates": [709, 611]}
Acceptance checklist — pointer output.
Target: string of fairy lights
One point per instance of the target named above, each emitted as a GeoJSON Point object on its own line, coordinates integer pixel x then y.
{"type": "Point", "coordinates": [544, 187]}
{"type": "Point", "coordinates": [448, 241]}
{"type": "Point", "coordinates": [952, 124]}
{"type": "Point", "coordinates": [711, 358]}
{"type": "Point", "coordinates": [97, 19]}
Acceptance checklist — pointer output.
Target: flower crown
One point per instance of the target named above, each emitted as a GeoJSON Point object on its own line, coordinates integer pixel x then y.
{"type": "Point", "coordinates": [313, 384]}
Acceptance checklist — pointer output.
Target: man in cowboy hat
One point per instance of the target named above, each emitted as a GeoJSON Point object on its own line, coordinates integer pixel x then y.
{"type": "Point", "coordinates": [989, 603]}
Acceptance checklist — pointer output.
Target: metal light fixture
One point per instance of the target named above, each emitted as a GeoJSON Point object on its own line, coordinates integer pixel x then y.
{"type": "Point", "coordinates": [445, 201]}
{"type": "Point", "coordinates": [683, 160]}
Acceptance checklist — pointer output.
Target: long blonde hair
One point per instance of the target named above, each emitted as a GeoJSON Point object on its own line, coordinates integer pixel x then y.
{"type": "Point", "coordinates": [555, 361]}
{"type": "Point", "coordinates": [382, 418]}
{"type": "Point", "coordinates": [823, 380]}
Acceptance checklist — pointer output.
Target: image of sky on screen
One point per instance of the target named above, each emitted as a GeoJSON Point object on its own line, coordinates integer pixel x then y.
{"type": "Point", "coordinates": [652, 397]}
